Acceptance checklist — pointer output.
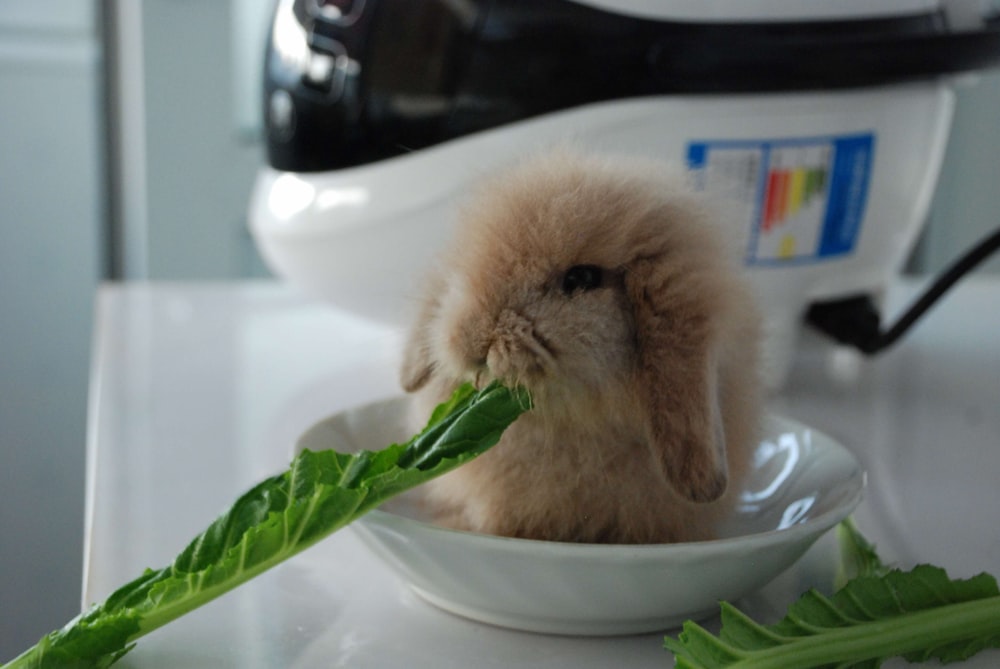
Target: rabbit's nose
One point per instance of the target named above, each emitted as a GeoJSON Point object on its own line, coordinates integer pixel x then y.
{"type": "Point", "coordinates": [515, 354]}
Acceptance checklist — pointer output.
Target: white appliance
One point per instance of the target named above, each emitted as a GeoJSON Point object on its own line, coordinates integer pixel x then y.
{"type": "Point", "coordinates": [822, 125]}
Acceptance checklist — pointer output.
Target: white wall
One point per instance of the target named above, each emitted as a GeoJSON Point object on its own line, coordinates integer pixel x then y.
{"type": "Point", "coordinates": [187, 104]}
{"type": "Point", "coordinates": [51, 188]}
{"type": "Point", "coordinates": [967, 203]}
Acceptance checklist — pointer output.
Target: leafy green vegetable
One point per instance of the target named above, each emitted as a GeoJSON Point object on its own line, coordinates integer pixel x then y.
{"type": "Point", "coordinates": [276, 519]}
{"type": "Point", "coordinates": [881, 613]}
{"type": "Point", "coordinates": [858, 556]}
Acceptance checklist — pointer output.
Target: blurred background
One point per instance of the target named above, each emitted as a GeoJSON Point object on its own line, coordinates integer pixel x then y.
{"type": "Point", "coordinates": [129, 139]}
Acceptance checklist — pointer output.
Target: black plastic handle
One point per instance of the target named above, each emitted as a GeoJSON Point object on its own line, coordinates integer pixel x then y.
{"type": "Point", "coordinates": [734, 59]}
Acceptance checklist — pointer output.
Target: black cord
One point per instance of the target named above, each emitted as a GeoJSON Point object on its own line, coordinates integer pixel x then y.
{"type": "Point", "coordinates": [855, 320]}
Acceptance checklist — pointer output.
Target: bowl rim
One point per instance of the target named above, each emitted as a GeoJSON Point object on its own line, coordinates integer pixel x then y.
{"type": "Point", "coordinates": [854, 493]}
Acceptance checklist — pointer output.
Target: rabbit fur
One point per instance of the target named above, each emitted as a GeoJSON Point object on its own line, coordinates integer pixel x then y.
{"type": "Point", "coordinates": [603, 286]}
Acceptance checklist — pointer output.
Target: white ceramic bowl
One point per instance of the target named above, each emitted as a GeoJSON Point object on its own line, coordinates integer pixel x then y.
{"type": "Point", "coordinates": [802, 484]}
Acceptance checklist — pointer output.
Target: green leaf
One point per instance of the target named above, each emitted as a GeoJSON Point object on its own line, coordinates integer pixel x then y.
{"type": "Point", "coordinates": [279, 517]}
{"type": "Point", "coordinates": [858, 556]}
{"type": "Point", "coordinates": [918, 615]}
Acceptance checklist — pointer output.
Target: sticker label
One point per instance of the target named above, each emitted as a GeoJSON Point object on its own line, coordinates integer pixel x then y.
{"type": "Point", "coordinates": [803, 199]}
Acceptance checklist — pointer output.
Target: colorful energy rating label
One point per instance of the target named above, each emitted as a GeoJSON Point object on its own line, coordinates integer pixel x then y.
{"type": "Point", "coordinates": [803, 198]}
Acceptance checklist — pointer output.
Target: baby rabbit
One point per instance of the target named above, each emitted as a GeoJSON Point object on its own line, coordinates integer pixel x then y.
{"type": "Point", "coordinates": [602, 287]}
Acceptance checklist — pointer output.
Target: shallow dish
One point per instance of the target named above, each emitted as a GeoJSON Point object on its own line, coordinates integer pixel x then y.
{"type": "Point", "coordinates": [802, 483]}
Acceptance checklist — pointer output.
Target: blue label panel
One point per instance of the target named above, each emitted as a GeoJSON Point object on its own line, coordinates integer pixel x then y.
{"type": "Point", "coordinates": [804, 198]}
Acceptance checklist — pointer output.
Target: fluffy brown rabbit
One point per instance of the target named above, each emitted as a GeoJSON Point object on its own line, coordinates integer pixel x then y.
{"type": "Point", "coordinates": [602, 286]}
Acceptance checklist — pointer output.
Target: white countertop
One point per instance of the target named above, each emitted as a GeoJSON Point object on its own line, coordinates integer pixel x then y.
{"type": "Point", "coordinates": [200, 390]}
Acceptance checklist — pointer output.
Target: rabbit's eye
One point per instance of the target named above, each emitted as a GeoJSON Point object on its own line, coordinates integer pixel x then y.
{"type": "Point", "coordinates": [581, 277]}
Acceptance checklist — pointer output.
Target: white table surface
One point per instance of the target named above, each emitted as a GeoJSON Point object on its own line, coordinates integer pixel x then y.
{"type": "Point", "coordinates": [200, 390]}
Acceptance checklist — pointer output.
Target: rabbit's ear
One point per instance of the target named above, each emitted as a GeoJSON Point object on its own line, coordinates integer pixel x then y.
{"type": "Point", "coordinates": [417, 367]}
{"type": "Point", "coordinates": [677, 376]}
{"type": "Point", "coordinates": [418, 358]}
